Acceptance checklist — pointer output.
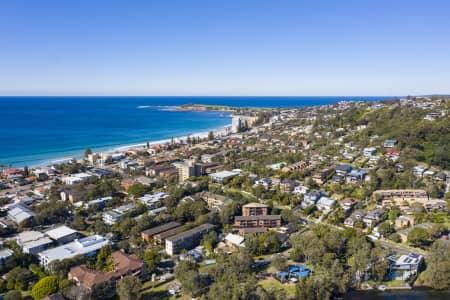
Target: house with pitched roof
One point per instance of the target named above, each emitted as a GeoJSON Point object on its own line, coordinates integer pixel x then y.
{"type": "Point", "coordinates": [124, 265]}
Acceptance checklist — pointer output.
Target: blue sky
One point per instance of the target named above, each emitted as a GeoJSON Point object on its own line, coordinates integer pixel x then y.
{"type": "Point", "coordinates": [242, 47]}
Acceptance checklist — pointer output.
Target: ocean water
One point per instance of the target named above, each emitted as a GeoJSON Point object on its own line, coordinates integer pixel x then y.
{"type": "Point", "coordinates": [41, 130]}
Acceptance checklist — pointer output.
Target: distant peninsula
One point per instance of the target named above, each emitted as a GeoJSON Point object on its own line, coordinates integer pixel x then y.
{"type": "Point", "coordinates": [204, 107]}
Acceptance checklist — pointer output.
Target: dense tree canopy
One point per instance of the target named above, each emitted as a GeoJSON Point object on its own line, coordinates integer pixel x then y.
{"type": "Point", "coordinates": [438, 266]}
{"type": "Point", "coordinates": [45, 287]}
{"type": "Point", "coordinates": [129, 288]}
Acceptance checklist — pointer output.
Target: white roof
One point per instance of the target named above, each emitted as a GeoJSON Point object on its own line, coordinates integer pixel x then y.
{"type": "Point", "coordinates": [99, 200]}
{"type": "Point", "coordinates": [156, 211]}
{"type": "Point", "coordinates": [124, 208]}
{"type": "Point", "coordinates": [26, 236]}
{"type": "Point", "coordinates": [31, 239]}
{"type": "Point", "coordinates": [326, 201]}
{"type": "Point", "coordinates": [235, 239]}
{"type": "Point", "coordinates": [75, 178]}
{"type": "Point", "coordinates": [409, 259]}
{"type": "Point", "coordinates": [60, 232]}
{"type": "Point", "coordinates": [224, 174]}
{"type": "Point", "coordinates": [20, 213]}
{"type": "Point", "coordinates": [78, 247]}
{"type": "Point", "coordinates": [5, 253]}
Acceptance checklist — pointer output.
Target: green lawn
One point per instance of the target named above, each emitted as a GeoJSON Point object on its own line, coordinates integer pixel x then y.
{"type": "Point", "coordinates": [158, 292]}
{"type": "Point", "coordinates": [395, 283]}
{"type": "Point", "coordinates": [206, 269]}
{"type": "Point", "coordinates": [271, 283]}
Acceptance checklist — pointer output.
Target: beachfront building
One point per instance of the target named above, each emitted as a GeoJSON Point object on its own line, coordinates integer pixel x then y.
{"type": "Point", "coordinates": [239, 122]}
{"type": "Point", "coordinates": [75, 178]}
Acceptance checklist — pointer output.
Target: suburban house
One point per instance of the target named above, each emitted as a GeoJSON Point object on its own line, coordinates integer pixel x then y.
{"type": "Point", "coordinates": [372, 218]}
{"type": "Point", "coordinates": [310, 198]}
{"type": "Point", "coordinates": [350, 221]}
{"type": "Point", "coordinates": [404, 266]}
{"type": "Point", "coordinates": [5, 254]}
{"type": "Point", "coordinates": [356, 176]}
{"type": "Point", "coordinates": [343, 170]}
{"type": "Point", "coordinates": [286, 185]}
{"type": "Point", "coordinates": [404, 221]}
{"type": "Point", "coordinates": [234, 240]}
{"type": "Point", "coordinates": [389, 143]}
{"type": "Point", "coordinates": [370, 151]}
{"type": "Point", "coordinates": [322, 176]}
{"type": "Point", "coordinates": [265, 182]}
{"type": "Point", "coordinates": [325, 204]}
{"type": "Point", "coordinates": [358, 215]}
{"type": "Point", "coordinates": [300, 190]}
{"type": "Point", "coordinates": [347, 204]}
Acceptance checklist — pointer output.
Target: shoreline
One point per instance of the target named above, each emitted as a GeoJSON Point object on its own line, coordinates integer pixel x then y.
{"type": "Point", "coordinates": [222, 130]}
{"type": "Point", "coordinates": [46, 156]}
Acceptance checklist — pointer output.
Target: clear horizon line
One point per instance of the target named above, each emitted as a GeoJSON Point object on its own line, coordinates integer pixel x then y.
{"type": "Point", "coordinates": [204, 96]}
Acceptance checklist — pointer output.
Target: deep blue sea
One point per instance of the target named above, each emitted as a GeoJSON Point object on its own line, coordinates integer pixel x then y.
{"type": "Point", "coordinates": [41, 130]}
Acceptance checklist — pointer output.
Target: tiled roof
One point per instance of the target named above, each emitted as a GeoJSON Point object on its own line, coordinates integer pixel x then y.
{"type": "Point", "coordinates": [123, 264]}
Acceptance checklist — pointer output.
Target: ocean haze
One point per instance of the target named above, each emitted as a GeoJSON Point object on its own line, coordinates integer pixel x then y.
{"type": "Point", "coordinates": [41, 130]}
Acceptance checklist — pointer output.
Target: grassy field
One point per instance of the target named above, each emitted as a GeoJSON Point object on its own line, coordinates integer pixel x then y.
{"type": "Point", "coordinates": [272, 284]}
{"type": "Point", "coordinates": [156, 293]}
